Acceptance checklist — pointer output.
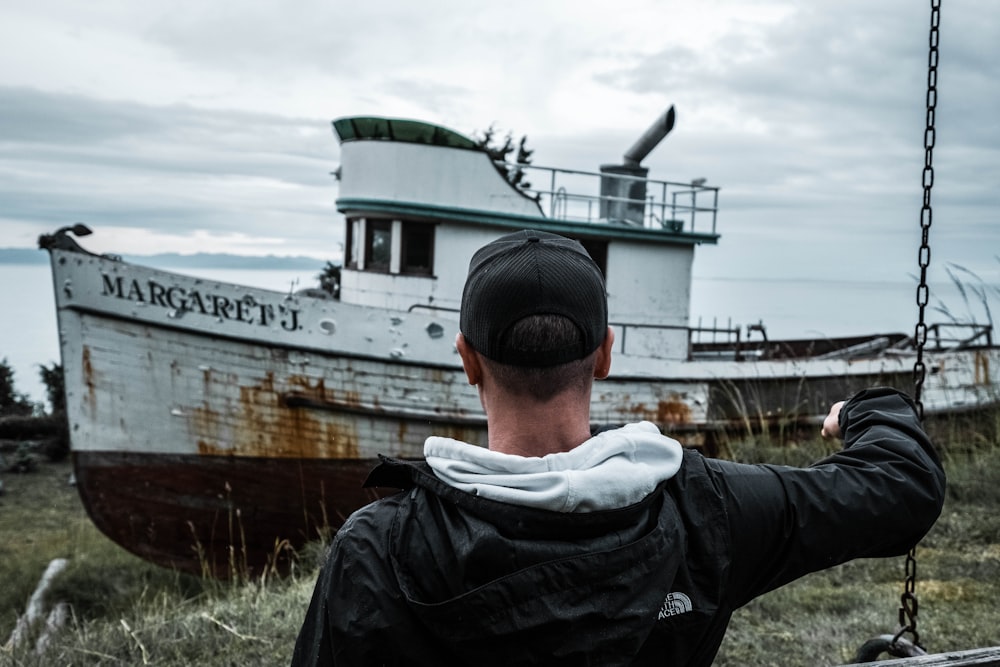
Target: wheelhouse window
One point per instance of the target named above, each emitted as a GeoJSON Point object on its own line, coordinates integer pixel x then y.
{"type": "Point", "coordinates": [417, 249]}
{"type": "Point", "coordinates": [378, 246]}
{"type": "Point", "coordinates": [400, 247]}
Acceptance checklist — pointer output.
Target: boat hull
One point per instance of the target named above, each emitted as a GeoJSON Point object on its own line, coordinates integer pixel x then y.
{"type": "Point", "coordinates": [218, 515]}
{"type": "Point", "coordinates": [215, 437]}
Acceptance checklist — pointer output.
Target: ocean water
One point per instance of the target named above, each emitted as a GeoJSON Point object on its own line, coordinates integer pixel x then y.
{"type": "Point", "coordinates": [793, 308]}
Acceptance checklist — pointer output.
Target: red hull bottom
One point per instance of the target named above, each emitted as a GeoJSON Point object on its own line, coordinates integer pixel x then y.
{"type": "Point", "coordinates": [219, 515]}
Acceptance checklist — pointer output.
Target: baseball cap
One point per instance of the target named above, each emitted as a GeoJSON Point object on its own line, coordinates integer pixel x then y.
{"type": "Point", "coordinates": [532, 273]}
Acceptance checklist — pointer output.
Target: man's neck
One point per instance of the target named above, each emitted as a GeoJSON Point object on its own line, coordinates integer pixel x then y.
{"type": "Point", "coordinates": [527, 428]}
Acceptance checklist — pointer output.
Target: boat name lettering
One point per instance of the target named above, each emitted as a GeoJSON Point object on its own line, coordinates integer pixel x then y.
{"type": "Point", "coordinates": [246, 309]}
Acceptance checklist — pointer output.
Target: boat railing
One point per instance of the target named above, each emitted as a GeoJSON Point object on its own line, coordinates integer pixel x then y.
{"type": "Point", "coordinates": [717, 342]}
{"type": "Point", "coordinates": [703, 342]}
{"type": "Point", "coordinates": [958, 335]}
{"type": "Point", "coordinates": [568, 195]}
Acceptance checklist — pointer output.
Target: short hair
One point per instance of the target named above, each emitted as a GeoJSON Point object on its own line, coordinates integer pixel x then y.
{"type": "Point", "coordinates": [536, 334]}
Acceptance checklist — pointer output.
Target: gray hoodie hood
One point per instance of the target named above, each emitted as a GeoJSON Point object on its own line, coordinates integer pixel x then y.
{"type": "Point", "coordinates": [611, 470]}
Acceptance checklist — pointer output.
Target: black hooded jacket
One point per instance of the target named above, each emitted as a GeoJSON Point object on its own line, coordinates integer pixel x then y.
{"type": "Point", "coordinates": [437, 576]}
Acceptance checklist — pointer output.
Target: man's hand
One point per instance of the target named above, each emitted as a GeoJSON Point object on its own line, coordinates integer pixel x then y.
{"type": "Point", "coordinates": [831, 425]}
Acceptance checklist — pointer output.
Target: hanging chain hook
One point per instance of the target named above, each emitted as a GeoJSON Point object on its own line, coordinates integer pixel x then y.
{"type": "Point", "coordinates": [908, 600]}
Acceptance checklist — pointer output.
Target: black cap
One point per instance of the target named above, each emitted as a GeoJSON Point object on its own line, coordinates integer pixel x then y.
{"type": "Point", "coordinates": [532, 273]}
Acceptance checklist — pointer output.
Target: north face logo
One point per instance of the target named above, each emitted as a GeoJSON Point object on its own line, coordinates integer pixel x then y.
{"type": "Point", "coordinates": [676, 603]}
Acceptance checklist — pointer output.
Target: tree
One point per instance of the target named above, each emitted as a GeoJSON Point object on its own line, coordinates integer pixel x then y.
{"type": "Point", "coordinates": [329, 280]}
{"type": "Point", "coordinates": [513, 172]}
{"type": "Point", "coordinates": [12, 402]}
{"type": "Point", "coordinates": [55, 386]}
{"type": "Point", "coordinates": [57, 445]}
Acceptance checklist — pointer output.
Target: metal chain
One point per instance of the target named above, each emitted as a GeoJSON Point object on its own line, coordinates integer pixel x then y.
{"type": "Point", "coordinates": [926, 214]}
{"type": "Point", "coordinates": [908, 600]}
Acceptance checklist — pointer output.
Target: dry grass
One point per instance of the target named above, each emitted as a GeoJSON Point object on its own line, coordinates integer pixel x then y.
{"type": "Point", "coordinates": [128, 612]}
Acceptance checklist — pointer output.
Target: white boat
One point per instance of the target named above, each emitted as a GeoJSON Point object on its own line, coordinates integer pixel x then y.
{"type": "Point", "coordinates": [214, 423]}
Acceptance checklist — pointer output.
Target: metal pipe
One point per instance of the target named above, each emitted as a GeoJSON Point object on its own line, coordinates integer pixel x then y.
{"type": "Point", "coordinates": [650, 138]}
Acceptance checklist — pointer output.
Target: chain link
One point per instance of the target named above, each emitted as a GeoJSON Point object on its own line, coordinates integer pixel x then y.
{"type": "Point", "coordinates": [908, 603]}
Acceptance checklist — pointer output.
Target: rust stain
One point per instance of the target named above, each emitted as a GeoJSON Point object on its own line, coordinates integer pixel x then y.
{"type": "Point", "coordinates": [982, 368]}
{"type": "Point", "coordinates": [669, 412]}
{"type": "Point", "coordinates": [260, 423]}
{"type": "Point", "coordinates": [472, 435]}
{"type": "Point", "coordinates": [352, 399]}
{"type": "Point", "coordinates": [88, 380]}
{"type": "Point", "coordinates": [673, 412]}
{"type": "Point", "coordinates": [205, 422]}
{"type": "Point", "coordinates": [304, 382]}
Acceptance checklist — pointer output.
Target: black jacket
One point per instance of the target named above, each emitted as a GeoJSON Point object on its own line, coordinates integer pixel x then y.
{"type": "Point", "coordinates": [436, 576]}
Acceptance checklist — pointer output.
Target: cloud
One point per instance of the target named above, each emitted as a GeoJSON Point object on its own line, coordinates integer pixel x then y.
{"type": "Point", "coordinates": [188, 117]}
{"type": "Point", "coordinates": [176, 169]}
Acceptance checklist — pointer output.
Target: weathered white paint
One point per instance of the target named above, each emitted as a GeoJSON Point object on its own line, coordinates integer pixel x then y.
{"type": "Point", "coordinates": [142, 376]}
{"type": "Point", "coordinates": [649, 283]}
{"type": "Point", "coordinates": [430, 175]}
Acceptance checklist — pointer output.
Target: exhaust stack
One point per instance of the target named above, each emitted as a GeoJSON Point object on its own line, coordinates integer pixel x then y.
{"type": "Point", "coordinates": [623, 186]}
{"type": "Point", "coordinates": [650, 138]}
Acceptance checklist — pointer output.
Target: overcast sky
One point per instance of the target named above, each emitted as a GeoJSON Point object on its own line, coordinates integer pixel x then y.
{"type": "Point", "coordinates": [190, 126]}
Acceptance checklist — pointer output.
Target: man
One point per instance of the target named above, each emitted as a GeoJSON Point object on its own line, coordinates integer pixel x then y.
{"type": "Point", "coordinates": [554, 546]}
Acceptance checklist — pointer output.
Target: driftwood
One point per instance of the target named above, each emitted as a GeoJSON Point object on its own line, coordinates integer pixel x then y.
{"type": "Point", "coordinates": [53, 624]}
{"type": "Point", "coordinates": [34, 612]}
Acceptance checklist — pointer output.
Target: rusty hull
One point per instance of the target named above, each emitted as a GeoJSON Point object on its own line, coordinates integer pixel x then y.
{"type": "Point", "coordinates": [218, 515]}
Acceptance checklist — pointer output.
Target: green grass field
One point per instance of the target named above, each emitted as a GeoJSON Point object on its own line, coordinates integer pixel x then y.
{"type": "Point", "coordinates": [125, 611]}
